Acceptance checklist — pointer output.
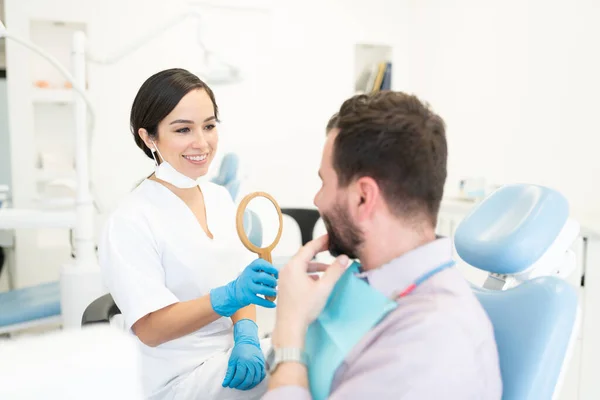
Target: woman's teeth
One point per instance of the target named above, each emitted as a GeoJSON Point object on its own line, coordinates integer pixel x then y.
{"type": "Point", "coordinates": [196, 158]}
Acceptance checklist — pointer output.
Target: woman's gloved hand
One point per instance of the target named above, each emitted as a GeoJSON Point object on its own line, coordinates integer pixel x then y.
{"type": "Point", "coordinates": [260, 277]}
{"type": "Point", "coordinates": [246, 366]}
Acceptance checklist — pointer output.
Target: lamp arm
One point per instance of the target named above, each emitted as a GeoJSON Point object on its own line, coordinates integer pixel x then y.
{"type": "Point", "coordinates": [61, 69]}
{"type": "Point", "coordinates": [141, 41]}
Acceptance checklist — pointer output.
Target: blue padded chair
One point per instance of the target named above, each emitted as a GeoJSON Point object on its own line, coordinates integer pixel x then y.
{"type": "Point", "coordinates": [228, 174]}
{"type": "Point", "coordinates": [521, 234]}
{"type": "Point", "coordinates": [233, 187]}
{"type": "Point", "coordinates": [30, 306]}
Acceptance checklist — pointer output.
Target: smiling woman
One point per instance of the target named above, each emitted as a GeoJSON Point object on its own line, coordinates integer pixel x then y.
{"type": "Point", "coordinates": [171, 257]}
{"type": "Point", "coordinates": [175, 114]}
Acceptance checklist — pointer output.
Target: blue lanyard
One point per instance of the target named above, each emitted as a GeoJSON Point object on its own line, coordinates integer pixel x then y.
{"type": "Point", "coordinates": [424, 277]}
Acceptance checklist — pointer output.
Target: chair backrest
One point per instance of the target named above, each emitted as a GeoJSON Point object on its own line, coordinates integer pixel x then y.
{"type": "Point", "coordinates": [228, 174]}
{"type": "Point", "coordinates": [306, 218]}
{"type": "Point", "coordinates": [227, 170]}
{"type": "Point", "coordinates": [233, 187]}
{"type": "Point", "coordinates": [533, 326]}
{"type": "Point", "coordinates": [534, 322]}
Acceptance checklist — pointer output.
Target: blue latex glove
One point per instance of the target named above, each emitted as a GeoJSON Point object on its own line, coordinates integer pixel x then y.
{"type": "Point", "coordinates": [260, 277]}
{"type": "Point", "coordinates": [246, 366]}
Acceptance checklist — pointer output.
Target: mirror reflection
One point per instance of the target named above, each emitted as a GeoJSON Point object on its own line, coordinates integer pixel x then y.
{"type": "Point", "coordinates": [261, 222]}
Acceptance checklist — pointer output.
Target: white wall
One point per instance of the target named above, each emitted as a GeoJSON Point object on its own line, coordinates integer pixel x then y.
{"type": "Point", "coordinates": [298, 60]}
{"type": "Point", "coordinates": [301, 68]}
{"type": "Point", "coordinates": [517, 83]}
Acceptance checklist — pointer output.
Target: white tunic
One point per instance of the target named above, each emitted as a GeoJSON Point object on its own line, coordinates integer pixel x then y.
{"type": "Point", "coordinates": [154, 253]}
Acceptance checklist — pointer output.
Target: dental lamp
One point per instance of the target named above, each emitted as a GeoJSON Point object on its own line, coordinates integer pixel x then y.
{"type": "Point", "coordinates": [80, 281]}
{"type": "Point", "coordinates": [219, 73]}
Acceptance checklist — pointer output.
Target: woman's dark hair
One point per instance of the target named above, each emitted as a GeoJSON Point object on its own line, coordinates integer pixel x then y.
{"type": "Point", "coordinates": [158, 96]}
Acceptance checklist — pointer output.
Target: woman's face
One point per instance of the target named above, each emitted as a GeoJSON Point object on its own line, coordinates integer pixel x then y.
{"type": "Point", "coordinates": [188, 136]}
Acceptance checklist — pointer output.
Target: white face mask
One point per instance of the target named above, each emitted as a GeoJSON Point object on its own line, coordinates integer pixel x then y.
{"type": "Point", "coordinates": [166, 172]}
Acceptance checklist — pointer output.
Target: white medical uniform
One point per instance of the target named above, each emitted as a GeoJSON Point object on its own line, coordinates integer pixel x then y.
{"type": "Point", "coordinates": [154, 253]}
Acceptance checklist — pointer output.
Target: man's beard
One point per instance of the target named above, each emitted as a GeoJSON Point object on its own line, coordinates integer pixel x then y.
{"type": "Point", "coordinates": [344, 236]}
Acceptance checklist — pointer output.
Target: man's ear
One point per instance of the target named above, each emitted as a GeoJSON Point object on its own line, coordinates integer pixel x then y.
{"type": "Point", "coordinates": [368, 193]}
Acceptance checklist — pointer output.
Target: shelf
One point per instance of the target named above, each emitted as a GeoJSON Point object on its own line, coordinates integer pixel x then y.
{"type": "Point", "coordinates": [56, 38]}
{"type": "Point", "coordinates": [372, 67]}
{"type": "Point", "coordinates": [52, 96]}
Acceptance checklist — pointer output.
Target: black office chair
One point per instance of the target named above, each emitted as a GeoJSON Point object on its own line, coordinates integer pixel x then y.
{"type": "Point", "coordinates": [104, 308]}
{"type": "Point", "coordinates": [100, 311]}
{"type": "Point", "coordinates": [306, 218]}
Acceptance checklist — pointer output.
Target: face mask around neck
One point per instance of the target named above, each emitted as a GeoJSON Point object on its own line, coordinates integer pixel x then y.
{"type": "Point", "coordinates": [166, 172]}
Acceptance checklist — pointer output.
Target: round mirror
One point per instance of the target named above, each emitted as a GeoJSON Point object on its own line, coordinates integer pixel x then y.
{"type": "Point", "coordinates": [259, 224]}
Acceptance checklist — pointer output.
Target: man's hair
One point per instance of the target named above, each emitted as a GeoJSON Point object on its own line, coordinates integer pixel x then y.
{"type": "Point", "coordinates": [398, 141]}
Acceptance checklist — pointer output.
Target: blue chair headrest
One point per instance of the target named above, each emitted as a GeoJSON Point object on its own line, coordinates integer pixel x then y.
{"type": "Point", "coordinates": [512, 228]}
{"type": "Point", "coordinates": [228, 169]}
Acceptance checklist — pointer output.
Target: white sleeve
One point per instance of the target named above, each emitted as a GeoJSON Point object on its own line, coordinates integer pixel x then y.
{"type": "Point", "coordinates": [132, 269]}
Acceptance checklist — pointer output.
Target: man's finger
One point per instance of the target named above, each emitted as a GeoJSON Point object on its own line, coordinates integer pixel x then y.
{"type": "Point", "coordinates": [311, 249]}
{"type": "Point", "coordinates": [317, 266]}
{"type": "Point", "coordinates": [333, 273]}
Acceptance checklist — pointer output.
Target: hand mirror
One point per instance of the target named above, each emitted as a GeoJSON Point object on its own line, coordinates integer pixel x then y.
{"type": "Point", "coordinates": [259, 224]}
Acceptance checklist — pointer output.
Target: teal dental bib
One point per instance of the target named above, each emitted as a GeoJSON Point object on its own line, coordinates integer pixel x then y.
{"type": "Point", "coordinates": [352, 310]}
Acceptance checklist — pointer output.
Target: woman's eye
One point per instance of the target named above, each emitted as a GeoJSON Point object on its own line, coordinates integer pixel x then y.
{"type": "Point", "coordinates": [210, 127]}
{"type": "Point", "coordinates": [183, 130]}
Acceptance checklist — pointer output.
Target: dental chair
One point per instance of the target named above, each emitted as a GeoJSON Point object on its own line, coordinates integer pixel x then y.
{"type": "Point", "coordinates": [521, 235]}
{"type": "Point", "coordinates": [227, 175]}
{"type": "Point", "coordinates": [306, 218]}
{"type": "Point", "coordinates": [29, 307]}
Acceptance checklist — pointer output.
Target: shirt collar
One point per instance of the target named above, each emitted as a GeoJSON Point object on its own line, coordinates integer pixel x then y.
{"type": "Point", "coordinates": [398, 274]}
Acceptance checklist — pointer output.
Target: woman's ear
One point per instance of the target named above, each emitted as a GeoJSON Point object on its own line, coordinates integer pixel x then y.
{"type": "Point", "coordinates": [146, 138]}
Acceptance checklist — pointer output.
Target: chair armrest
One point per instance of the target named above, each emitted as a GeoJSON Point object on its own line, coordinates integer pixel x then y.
{"type": "Point", "coordinates": [100, 310]}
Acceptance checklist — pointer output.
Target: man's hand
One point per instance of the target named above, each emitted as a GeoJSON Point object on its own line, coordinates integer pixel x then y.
{"type": "Point", "coordinates": [301, 298]}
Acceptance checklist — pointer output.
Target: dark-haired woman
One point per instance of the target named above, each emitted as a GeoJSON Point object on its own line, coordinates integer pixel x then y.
{"type": "Point", "coordinates": [171, 258]}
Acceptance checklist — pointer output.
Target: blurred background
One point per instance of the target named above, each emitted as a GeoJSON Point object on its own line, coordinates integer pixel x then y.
{"type": "Point", "coordinates": [515, 81]}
